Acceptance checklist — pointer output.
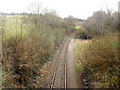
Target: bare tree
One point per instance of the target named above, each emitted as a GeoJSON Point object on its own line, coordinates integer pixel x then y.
{"type": "Point", "coordinates": [102, 22]}
{"type": "Point", "coordinates": [36, 8]}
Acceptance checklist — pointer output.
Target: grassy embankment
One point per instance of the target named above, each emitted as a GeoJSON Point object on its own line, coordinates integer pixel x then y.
{"type": "Point", "coordinates": [29, 43]}
{"type": "Point", "coordinates": [99, 57]}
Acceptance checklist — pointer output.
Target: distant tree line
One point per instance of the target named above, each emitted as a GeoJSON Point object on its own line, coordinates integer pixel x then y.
{"type": "Point", "coordinates": [102, 22]}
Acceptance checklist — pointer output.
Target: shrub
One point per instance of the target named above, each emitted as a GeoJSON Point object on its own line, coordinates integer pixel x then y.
{"type": "Point", "coordinates": [82, 30]}
{"type": "Point", "coordinates": [101, 57]}
{"type": "Point", "coordinates": [27, 48]}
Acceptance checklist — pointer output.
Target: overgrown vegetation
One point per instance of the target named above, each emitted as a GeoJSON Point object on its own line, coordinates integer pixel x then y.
{"type": "Point", "coordinates": [100, 55]}
{"type": "Point", "coordinates": [29, 41]}
{"type": "Point", "coordinates": [102, 22]}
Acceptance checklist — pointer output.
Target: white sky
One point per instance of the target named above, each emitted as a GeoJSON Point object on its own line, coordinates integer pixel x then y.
{"type": "Point", "coordinates": [77, 8]}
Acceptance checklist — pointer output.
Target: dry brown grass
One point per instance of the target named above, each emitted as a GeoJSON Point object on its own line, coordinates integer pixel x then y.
{"type": "Point", "coordinates": [101, 57]}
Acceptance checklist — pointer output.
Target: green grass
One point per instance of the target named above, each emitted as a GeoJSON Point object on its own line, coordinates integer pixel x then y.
{"type": "Point", "coordinates": [13, 27]}
{"type": "Point", "coordinates": [77, 27]}
{"type": "Point", "coordinates": [78, 67]}
{"type": "Point", "coordinates": [81, 30]}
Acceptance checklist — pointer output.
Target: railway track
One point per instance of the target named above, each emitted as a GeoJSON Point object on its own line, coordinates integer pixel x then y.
{"type": "Point", "coordinates": [59, 76]}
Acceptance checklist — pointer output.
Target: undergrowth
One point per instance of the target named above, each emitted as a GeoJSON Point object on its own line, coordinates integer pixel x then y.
{"type": "Point", "coordinates": [29, 42]}
{"type": "Point", "coordinates": [100, 56]}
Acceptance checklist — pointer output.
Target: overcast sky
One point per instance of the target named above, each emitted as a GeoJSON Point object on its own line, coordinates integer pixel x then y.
{"type": "Point", "coordinates": [77, 8]}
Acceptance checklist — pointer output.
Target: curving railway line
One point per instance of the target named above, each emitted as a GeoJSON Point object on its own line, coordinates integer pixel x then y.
{"type": "Point", "coordinates": [59, 77]}
{"type": "Point", "coordinates": [60, 73]}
